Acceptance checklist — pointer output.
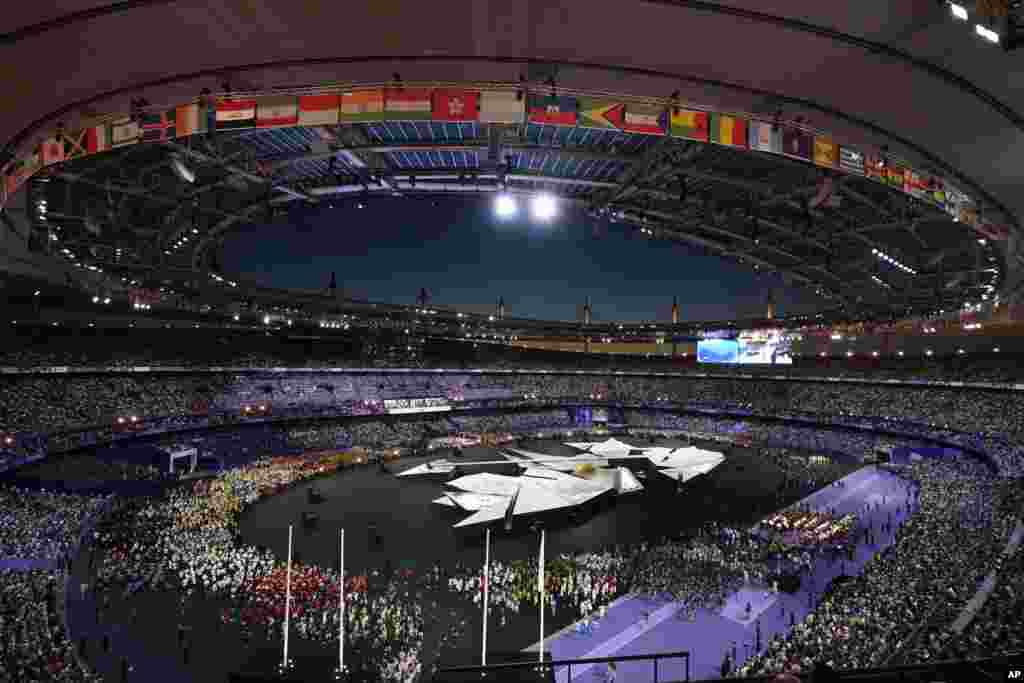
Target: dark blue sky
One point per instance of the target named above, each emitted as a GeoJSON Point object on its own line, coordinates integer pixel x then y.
{"type": "Point", "coordinates": [467, 258]}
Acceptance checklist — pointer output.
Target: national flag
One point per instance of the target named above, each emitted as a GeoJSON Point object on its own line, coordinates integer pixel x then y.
{"type": "Point", "coordinates": [558, 111]}
{"type": "Point", "coordinates": [502, 107]}
{"type": "Point", "coordinates": [277, 111]}
{"type": "Point", "coordinates": [797, 143]}
{"type": "Point", "coordinates": [97, 139]}
{"type": "Point", "coordinates": [157, 126]}
{"type": "Point", "coordinates": [455, 105]}
{"type": "Point", "coordinates": [728, 130]}
{"type": "Point", "coordinates": [51, 151]}
{"type": "Point", "coordinates": [83, 142]}
{"type": "Point", "coordinates": [895, 176]}
{"type": "Point", "coordinates": [124, 132]}
{"type": "Point", "coordinates": [235, 114]}
{"type": "Point", "coordinates": [598, 113]}
{"type": "Point", "coordinates": [692, 125]}
{"type": "Point", "coordinates": [362, 105]}
{"type": "Point", "coordinates": [913, 184]}
{"type": "Point", "coordinates": [322, 110]}
{"type": "Point", "coordinates": [935, 191]}
{"type": "Point", "coordinates": [189, 119]}
{"type": "Point", "coordinates": [826, 152]}
{"type": "Point", "coordinates": [968, 215]}
{"type": "Point", "coordinates": [875, 168]}
{"type": "Point", "coordinates": [765, 137]}
{"type": "Point", "coordinates": [20, 171]}
{"type": "Point", "coordinates": [851, 161]}
{"type": "Point", "coordinates": [642, 118]}
{"type": "Point", "coordinates": [405, 104]}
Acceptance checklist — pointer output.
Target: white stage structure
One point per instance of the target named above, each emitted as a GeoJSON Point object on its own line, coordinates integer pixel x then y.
{"type": "Point", "coordinates": [552, 482]}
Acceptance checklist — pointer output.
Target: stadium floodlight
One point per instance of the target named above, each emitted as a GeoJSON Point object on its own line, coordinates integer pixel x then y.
{"type": "Point", "coordinates": [544, 207]}
{"type": "Point", "coordinates": [505, 206]}
{"type": "Point", "coordinates": [986, 33]}
{"type": "Point", "coordinates": [959, 11]}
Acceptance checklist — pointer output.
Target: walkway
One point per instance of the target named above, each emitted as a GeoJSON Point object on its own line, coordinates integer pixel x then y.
{"type": "Point", "coordinates": [712, 633]}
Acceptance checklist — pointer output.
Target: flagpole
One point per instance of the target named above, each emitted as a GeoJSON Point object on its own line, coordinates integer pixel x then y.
{"type": "Point", "coordinates": [487, 586]}
{"type": "Point", "coordinates": [540, 587]}
{"type": "Point", "coordinates": [288, 597]}
{"type": "Point", "coordinates": [341, 606]}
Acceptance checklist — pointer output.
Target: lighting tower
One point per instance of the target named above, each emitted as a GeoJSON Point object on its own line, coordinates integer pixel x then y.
{"type": "Point", "coordinates": [675, 321]}
{"type": "Point", "coordinates": [587, 317]}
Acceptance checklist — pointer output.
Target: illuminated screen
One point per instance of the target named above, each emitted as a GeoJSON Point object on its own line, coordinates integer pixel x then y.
{"type": "Point", "coordinates": [767, 347]}
{"type": "Point", "coordinates": [718, 351]}
{"type": "Point", "coordinates": [762, 347]}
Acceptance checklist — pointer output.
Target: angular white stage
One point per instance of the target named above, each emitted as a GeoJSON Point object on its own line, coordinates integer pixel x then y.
{"type": "Point", "coordinates": [550, 482]}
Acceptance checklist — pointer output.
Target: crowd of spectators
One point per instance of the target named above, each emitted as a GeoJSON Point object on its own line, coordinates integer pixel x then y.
{"type": "Point", "coordinates": [33, 644]}
{"type": "Point", "coordinates": [901, 606]}
{"type": "Point", "coordinates": [42, 525]}
{"type": "Point", "coordinates": [27, 346]}
{"type": "Point", "coordinates": [941, 554]}
{"type": "Point", "coordinates": [987, 420]}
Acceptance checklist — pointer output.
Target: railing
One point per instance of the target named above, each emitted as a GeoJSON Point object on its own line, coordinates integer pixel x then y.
{"type": "Point", "coordinates": [515, 670]}
{"type": "Point", "coordinates": [998, 668]}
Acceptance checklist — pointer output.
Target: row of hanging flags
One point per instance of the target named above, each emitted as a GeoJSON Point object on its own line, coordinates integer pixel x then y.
{"type": "Point", "coordinates": [453, 105]}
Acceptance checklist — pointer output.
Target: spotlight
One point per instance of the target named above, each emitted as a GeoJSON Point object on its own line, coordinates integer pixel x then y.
{"type": "Point", "coordinates": [544, 207]}
{"type": "Point", "coordinates": [505, 206]}
{"type": "Point", "coordinates": [959, 11]}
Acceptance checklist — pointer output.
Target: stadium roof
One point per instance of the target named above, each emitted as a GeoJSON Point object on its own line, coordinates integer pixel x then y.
{"type": "Point", "coordinates": [902, 80]}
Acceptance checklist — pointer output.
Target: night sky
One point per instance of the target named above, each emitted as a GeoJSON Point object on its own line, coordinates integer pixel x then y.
{"type": "Point", "coordinates": [467, 258]}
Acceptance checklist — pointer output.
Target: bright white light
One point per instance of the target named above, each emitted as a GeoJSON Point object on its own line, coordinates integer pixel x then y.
{"type": "Point", "coordinates": [986, 33]}
{"type": "Point", "coordinates": [959, 12]}
{"type": "Point", "coordinates": [544, 207]}
{"type": "Point", "coordinates": [505, 206]}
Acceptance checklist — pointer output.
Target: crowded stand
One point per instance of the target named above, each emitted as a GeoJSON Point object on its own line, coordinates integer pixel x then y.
{"type": "Point", "coordinates": [258, 425]}
{"type": "Point", "coordinates": [33, 643]}
{"type": "Point", "coordinates": [25, 347]}
{"type": "Point", "coordinates": [944, 546]}
{"type": "Point", "coordinates": [42, 525]}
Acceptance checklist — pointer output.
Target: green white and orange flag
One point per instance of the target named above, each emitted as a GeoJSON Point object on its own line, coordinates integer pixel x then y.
{"type": "Point", "coordinates": [363, 105]}
{"type": "Point", "coordinates": [405, 104]}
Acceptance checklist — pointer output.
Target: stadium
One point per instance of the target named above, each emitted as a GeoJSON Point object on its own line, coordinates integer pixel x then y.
{"type": "Point", "coordinates": [539, 341]}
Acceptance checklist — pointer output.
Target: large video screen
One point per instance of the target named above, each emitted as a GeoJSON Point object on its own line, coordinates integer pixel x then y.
{"type": "Point", "coordinates": [718, 351]}
{"type": "Point", "coordinates": [762, 347]}
{"type": "Point", "coordinates": [768, 347]}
